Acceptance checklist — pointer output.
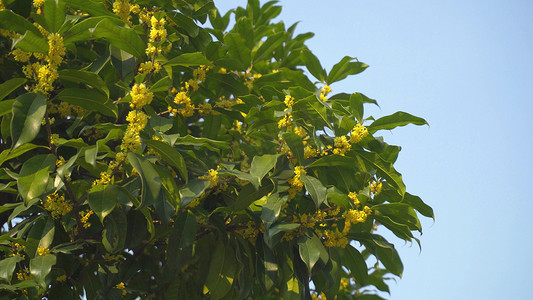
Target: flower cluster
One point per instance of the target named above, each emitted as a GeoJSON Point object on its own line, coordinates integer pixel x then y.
{"type": "Point", "coordinates": [158, 32]}
{"type": "Point", "coordinates": [186, 109]}
{"type": "Point", "coordinates": [148, 67]}
{"type": "Point", "coordinates": [23, 274]}
{"type": "Point", "coordinates": [122, 288]}
{"type": "Point", "coordinates": [334, 238]}
{"type": "Point", "coordinates": [353, 216]}
{"type": "Point", "coordinates": [375, 187]}
{"type": "Point", "coordinates": [341, 145]}
{"type": "Point", "coordinates": [122, 9]}
{"type": "Point", "coordinates": [18, 249]}
{"type": "Point", "coordinates": [85, 215]}
{"type": "Point", "coordinates": [295, 182]}
{"type": "Point", "coordinates": [358, 133]}
{"type": "Point", "coordinates": [324, 93]}
{"type": "Point", "coordinates": [251, 231]}
{"type": "Point", "coordinates": [286, 121]}
{"type": "Point", "coordinates": [353, 196]}
{"type": "Point", "coordinates": [41, 251]}
{"type": "Point", "coordinates": [212, 176]}
{"type": "Point", "coordinates": [228, 103]}
{"type": "Point", "coordinates": [136, 122]}
{"type": "Point", "coordinates": [57, 205]}
{"type": "Point", "coordinates": [140, 96]}
{"type": "Point", "coordinates": [56, 49]}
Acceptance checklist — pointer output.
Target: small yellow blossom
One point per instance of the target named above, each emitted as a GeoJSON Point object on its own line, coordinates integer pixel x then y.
{"type": "Point", "coordinates": [353, 196]}
{"type": "Point", "coordinates": [358, 133]}
{"type": "Point", "coordinates": [212, 176]}
{"type": "Point", "coordinates": [341, 145]}
{"type": "Point", "coordinates": [289, 101]}
{"type": "Point", "coordinates": [375, 187]}
{"type": "Point", "coordinates": [148, 67]}
{"type": "Point", "coordinates": [122, 288]}
{"type": "Point", "coordinates": [46, 76]}
{"type": "Point", "coordinates": [158, 32]}
{"type": "Point", "coordinates": [285, 121]}
{"type": "Point", "coordinates": [121, 8]}
{"type": "Point", "coordinates": [56, 49]}
{"type": "Point", "coordinates": [54, 138]}
{"type": "Point", "coordinates": [62, 278]}
{"type": "Point", "coordinates": [310, 152]}
{"type": "Point", "coordinates": [85, 215]}
{"type": "Point", "coordinates": [57, 205]}
{"type": "Point", "coordinates": [335, 239]}
{"type": "Point", "coordinates": [23, 274]}
{"type": "Point", "coordinates": [105, 179]}
{"type": "Point", "coordinates": [41, 251]}
{"type": "Point", "coordinates": [140, 96]}
{"type": "Point", "coordinates": [205, 109]}
{"type": "Point", "coordinates": [324, 93]}
{"type": "Point", "coordinates": [60, 161]}
{"type": "Point", "coordinates": [20, 55]}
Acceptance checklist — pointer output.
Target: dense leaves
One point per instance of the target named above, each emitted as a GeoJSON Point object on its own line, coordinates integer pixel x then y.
{"type": "Point", "coordinates": [148, 153]}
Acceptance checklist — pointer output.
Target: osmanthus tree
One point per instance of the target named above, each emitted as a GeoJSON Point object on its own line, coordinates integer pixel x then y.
{"type": "Point", "coordinates": [148, 151]}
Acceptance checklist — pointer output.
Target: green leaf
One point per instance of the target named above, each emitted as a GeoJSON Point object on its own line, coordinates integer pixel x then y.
{"type": "Point", "coordinates": [151, 181]}
{"type": "Point", "coordinates": [160, 124]}
{"type": "Point", "coordinates": [249, 194]}
{"type": "Point", "coordinates": [315, 188]}
{"type": "Point", "coordinates": [9, 86]}
{"type": "Point", "coordinates": [5, 107]}
{"type": "Point", "coordinates": [355, 262]}
{"type": "Point", "coordinates": [402, 213]}
{"type": "Point", "coordinates": [192, 190]}
{"type": "Point", "coordinates": [237, 49]}
{"type": "Point", "coordinates": [265, 51]}
{"type": "Point", "coordinates": [102, 200]}
{"type": "Point", "coordinates": [41, 235]}
{"type": "Point", "coordinates": [270, 211]}
{"type": "Point", "coordinates": [124, 62]}
{"type": "Point", "coordinates": [170, 155]}
{"type": "Point", "coordinates": [31, 42]}
{"type": "Point", "coordinates": [40, 267]}
{"type": "Point", "coordinates": [162, 85]}
{"type": "Point", "coordinates": [262, 164]}
{"type": "Point", "coordinates": [311, 250]}
{"type": "Point", "coordinates": [121, 37]}
{"type": "Point", "coordinates": [318, 109]}
{"type": "Point", "coordinates": [7, 266]}
{"type": "Point", "coordinates": [386, 253]}
{"type": "Point", "coordinates": [344, 68]}
{"type": "Point", "coordinates": [181, 239]}
{"type": "Point", "coordinates": [296, 145]}
{"type": "Point", "coordinates": [241, 175]}
{"type": "Point", "coordinates": [92, 7]}
{"type": "Point", "coordinates": [89, 99]}
{"type": "Point", "coordinates": [28, 112]}
{"type": "Point", "coordinates": [10, 154]}
{"type": "Point", "coordinates": [114, 233]}
{"type": "Point", "coordinates": [397, 119]}
{"type": "Point", "coordinates": [313, 65]}
{"type": "Point", "coordinates": [33, 176]}
{"type": "Point", "coordinates": [212, 145]}
{"type": "Point", "coordinates": [11, 21]}
{"type": "Point", "coordinates": [221, 271]}
{"type": "Point", "coordinates": [89, 78]}
{"type": "Point", "coordinates": [189, 59]}
{"type": "Point", "coordinates": [384, 169]}
{"type": "Point", "coordinates": [419, 205]}
{"type": "Point", "coordinates": [185, 23]}
{"type": "Point", "coordinates": [334, 160]}
{"type": "Point", "coordinates": [54, 15]}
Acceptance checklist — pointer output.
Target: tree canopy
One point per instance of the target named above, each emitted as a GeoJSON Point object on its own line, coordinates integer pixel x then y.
{"type": "Point", "coordinates": [148, 150]}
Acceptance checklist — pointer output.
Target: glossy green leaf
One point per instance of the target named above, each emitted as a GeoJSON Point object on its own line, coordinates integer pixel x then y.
{"type": "Point", "coordinates": [7, 266]}
{"type": "Point", "coordinates": [399, 118]}
{"type": "Point", "coordinates": [249, 194]}
{"type": "Point", "coordinates": [311, 250]}
{"type": "Point", "coordinates": [296, 145]}
{"type": "Point", "coordinates": [10, 154]}
{"type": "Point", "coordinates": [114, 233]}
{"type": "Point", "coordinates": [28, 112]}
{"type": "Point", "coordinates": [221, 271]}
{"type": "Point", "coordinates": [189, 60]}
{"type": "Point", "coordinates": [192, 190]}
{"type": "Point", "coordinates": [189, 140]}
{"type": "Point", "coordinates": [11, 21]}
{"type": "Point", "coordinates": [92, 7]}
{"type": "Point", "coordinates": [33, 176]}
{"type": "Point", "coordinates": [344, 68]}
{"type": "Point", "coordinates": [54, 15]}
{"type": "Point", "coordinates": [5, 107]}
{"type": "Point", "coordinates": [238, 49]}
{"type": "Point", "coordinates": [102, 200]}
{"type": "Point", "coordinates": [417, 203]}
{"type": "Point", "coordinates": [384, 169]}
{"type": "Point", "coordinates": [355, 262]}
{"type": "Point", "coordinates": [334, 160]}
{"type": "Point", "coordinates": [9, 86]}
{"type": "Point", "coordinates": [89, 99]}
{"type": "Point", "coordinates": [162, 85]}
{"type": "Point", "coordinates": [315, 188]}
{"type": "Point", "coordinates": [151, 181]}
{"type": "Point", "coordinates": [31, 42]}
{"type": "Point", "coordinates": [89, 78]}
{"type": "Point", "coordinates": [399, 212]}
{"type": "Point", "coordinates": [40, 267]}
{"type": "Point", "coordinates": [266, 49]}
{"type": "Point", "coordinates": [170, 155]}
{"type": "Point", "coordinates": [121, 37]}
{"type": "Point", "coordinates": [181, 239]}
{"type": "Point", "coordinates": [313, 65]}
{"type": "Point", "coordinates": [160, 124]}
{"type": "Point", "coordinates": [261, 165]}
{"type": "Point", "coordinates": [41, 235]}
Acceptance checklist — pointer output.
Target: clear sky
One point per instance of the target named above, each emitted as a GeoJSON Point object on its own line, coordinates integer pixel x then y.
{"type": "Point", "coordinates": [466, 67]}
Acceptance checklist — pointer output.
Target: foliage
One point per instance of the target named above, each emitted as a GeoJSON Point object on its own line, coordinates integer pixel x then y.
{"type": "Point", "coordinates": [144, 153]}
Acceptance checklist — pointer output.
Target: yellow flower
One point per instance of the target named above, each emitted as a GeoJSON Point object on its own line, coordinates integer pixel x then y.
{"type": "Point", "coordinates": [23, 274]}
{"type": "Point", "coordinates": [46, 75]}
{"type": "Point", "coordinates": [57, 205]}
{"type": "Point", "coordinates": [105, 178]}
{"type": "Point", "coordinates": [140, 96]}
{"type": "Point", "coordinates": [85, 215]}
{"type": "Point", "coordinates": [353, 196]}
{"type": "Point", "coordinates": [61, 161]}
{"type": "Point", "coordinates": [186, 109]}
{"type": "Point", "coordinates": [324, 93]}
{"type": "Point", "coordinates": [137, 120]}
{"type": "Point", "coordinates": [56, 49]}
{"type": "Point", "coordinates": [310, 152]}
{"type": "Point", "coordinates": [148, 67]}
{"type": "Point", "coordinates": [341, 145]}
{"type": "Point", "coordinates": [38, 3]}
{"type": "Point", "coordinates": [62, 278]}
{"type": "Point", "coordinates": [358, 133]}
{"type": "Point", "coordinates": [20, 55]}
{"type": "Point", "coordinates": [212, 176]}
{"type": "Point", "coordinates": [289, 101]}
{"type": "Point", "coordinates": [335, 239]}
{"type": "Point", "coordinates": [122, 288]}
{"type": "Point", "coordinates": [121, 8]}
{"type": "Point", "coordinates": [375, 187]}
{"type": "Point", "coordinates": [285, 121]}
{"type": "Point", "coordinates": [54, 138]}
{"type": "Point", "coordinates": [205, 109]}
{"type": "Point", "coordinates": [158, 32]}
{"type": "Point", "coordinates": [41, 251]}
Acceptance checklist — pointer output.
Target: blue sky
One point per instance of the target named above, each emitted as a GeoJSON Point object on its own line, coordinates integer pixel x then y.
{"type": "Point", "coordinates": [466, 67]}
